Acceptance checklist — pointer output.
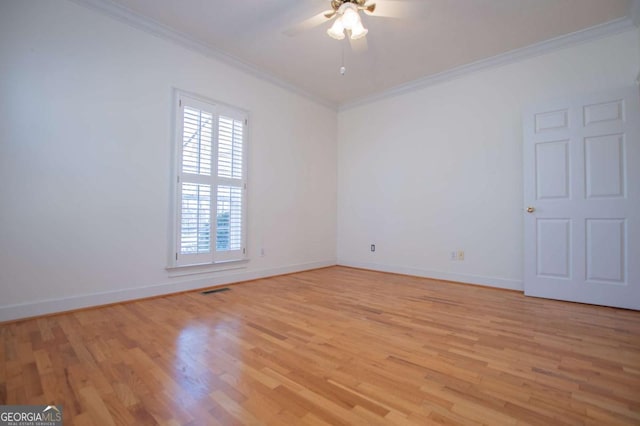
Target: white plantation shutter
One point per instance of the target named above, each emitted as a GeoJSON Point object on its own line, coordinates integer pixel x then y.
{"type": "Point", "coordinates": [229, 214]}
{"type": "Point", "coordinates": [196, 141]}
{"type": "Point", "coordinates": [229, 199]}
{"type": "Point", "coordinates": [211, 183]}
{"type": "Point", "coordinates": [195, 220]}
{"type": "Point", "coordinates": [230, 143]}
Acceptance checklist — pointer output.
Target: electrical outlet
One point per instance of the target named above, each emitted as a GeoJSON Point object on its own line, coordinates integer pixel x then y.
{"type": "Point", "coordinates": [460, 254]}
{"type": "Point", "coordinates": [373, 247]}
{"type": "Point", "coordinates": [454, 255]}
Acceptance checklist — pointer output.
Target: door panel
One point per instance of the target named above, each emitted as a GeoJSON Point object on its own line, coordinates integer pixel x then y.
{"type": "Point", "coordinates": [551, 120]}
{"type": "Point", "coordinates": [604, 166]}
{"type": "Point", "coordinates": [582, 182]}
{"type": "Point", "coordinates": [552, 170]}
{"type": "Point", "coordinates": [554, 248]}
{"type": "Point", "coordinates": [603, 112]}
{"type": "Point", "coordinates": [606, 251]}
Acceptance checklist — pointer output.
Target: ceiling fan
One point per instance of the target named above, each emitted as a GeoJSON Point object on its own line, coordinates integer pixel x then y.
{"type": "Point", "coordinates": [346, 15]}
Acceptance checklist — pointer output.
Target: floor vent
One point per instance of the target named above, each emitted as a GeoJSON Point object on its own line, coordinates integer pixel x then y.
{"type": "Point", "coordinates": [216, 290]}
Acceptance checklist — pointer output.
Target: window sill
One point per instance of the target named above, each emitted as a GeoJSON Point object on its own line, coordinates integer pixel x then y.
{"type": "Point", "coordinates": [205, 268]}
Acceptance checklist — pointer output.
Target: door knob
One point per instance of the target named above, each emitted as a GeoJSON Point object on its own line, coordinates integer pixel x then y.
{"type": "Point", "coordinates": [530, 209]}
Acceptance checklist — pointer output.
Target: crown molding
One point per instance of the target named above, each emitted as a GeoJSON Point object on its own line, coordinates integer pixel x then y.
{"type": "Point", "coordinates": [139, 21]}
{"type": "Point", "coordinates": [599, 31]}
{"type": "Point", "coordinates": [144, 23]}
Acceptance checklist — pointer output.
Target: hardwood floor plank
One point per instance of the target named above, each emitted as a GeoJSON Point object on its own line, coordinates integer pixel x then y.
{"type": "Point", "coordinates": [94, 404]}
{"type": "Point", "coordinates": [234, 409]}
{"type": "Point", "coordinates": [334, 346]}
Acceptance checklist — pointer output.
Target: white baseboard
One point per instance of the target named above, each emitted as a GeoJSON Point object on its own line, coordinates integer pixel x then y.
{"type": "Point", "coordinates": [43, 307]}
{"type": "Point", "coordinates": [447, 276]}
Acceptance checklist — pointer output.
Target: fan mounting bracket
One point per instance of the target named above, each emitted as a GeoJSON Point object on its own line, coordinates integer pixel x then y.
{"type": "Point", "coordinates": [335, 4]}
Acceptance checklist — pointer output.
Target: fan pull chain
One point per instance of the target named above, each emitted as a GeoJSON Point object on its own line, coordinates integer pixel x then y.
{"type": "Point", "coordinates": [343, 69]}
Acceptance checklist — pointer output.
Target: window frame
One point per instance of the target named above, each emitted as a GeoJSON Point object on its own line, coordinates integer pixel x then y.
{"type": "Point", "coordinates": [178, 177]}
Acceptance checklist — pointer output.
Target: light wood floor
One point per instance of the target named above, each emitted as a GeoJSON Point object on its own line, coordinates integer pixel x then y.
{"type": "Point", "coordinates": [331, 346]}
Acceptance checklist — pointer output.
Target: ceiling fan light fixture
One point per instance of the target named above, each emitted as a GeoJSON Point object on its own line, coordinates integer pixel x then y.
{"type": "Point", "coordinates": [348, 19]}
{"type": "Point", "coordinates": [337, 29]}
{"type": "Point", "coordinates": [358, 31]}
{"type": "Point", "coordinates": [350, 16]}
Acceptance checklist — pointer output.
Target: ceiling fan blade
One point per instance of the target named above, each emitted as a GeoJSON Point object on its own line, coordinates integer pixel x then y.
{"type": "Point", "coordinates": [360, 45]}
{"type": "Point", "coordinates": [399, 9]}
{"type": "Point", "coordinates": [314, 21]}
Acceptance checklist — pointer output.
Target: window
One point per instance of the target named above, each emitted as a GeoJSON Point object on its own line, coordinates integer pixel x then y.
{"type": "Point", "coordinates": [210, 183]}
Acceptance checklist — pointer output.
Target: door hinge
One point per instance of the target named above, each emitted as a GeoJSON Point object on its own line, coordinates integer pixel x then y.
{"type": "Point", "coordinates": [244, 250]}
{"type": "Point", "coordinates": [244, 186]}
{"type": "Point", "coordinates": [178, 179]}
{"type": "Point", "coordinates": [246, 122]}
{"type": "Point", "coordinates": [176, 256]}
{"type": "Point", "coordinates": [179, 102]}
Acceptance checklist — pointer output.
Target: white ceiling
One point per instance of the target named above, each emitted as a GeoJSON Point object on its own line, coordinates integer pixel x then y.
{"type": "Point", "coordinates": [439, 35]}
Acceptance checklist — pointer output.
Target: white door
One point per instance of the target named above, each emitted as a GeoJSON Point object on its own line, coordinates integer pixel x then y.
{"type": "Point", "coordinates": [582, 193]}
